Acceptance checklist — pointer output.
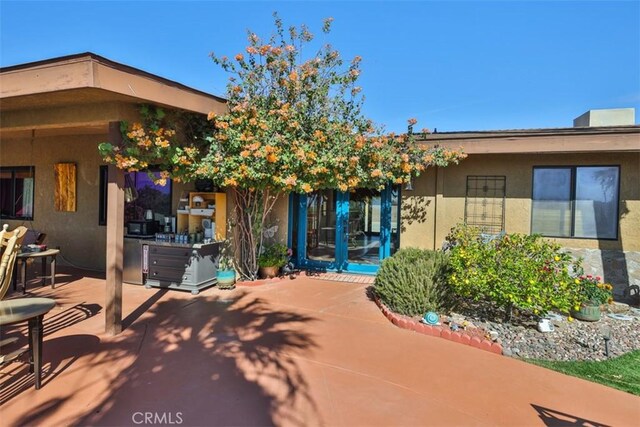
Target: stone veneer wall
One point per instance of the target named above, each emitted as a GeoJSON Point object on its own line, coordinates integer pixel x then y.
{"type": "Point", "coordinates": [620, 268]}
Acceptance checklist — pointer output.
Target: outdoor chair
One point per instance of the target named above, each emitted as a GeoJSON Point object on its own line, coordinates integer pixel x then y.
{"type": "Point", "coordinates": [31, 310]}
{"type": "Point", "coordinates": [11, 242]}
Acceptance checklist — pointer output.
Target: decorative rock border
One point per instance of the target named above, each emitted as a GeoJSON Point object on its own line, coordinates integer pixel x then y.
{"type": "Point", "coordinates": [460, 337]}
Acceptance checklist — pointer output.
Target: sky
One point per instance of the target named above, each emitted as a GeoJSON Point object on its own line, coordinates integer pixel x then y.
{"type": "Point", "coordinates": [454, 66]}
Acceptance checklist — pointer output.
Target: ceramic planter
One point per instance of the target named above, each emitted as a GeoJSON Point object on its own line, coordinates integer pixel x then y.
{"type": "Point", "coordinates": [268, 272]}
{"type": "Point", "coordinates": [226, 279]}
{"type": "Point", "coordinates": [589, 312]}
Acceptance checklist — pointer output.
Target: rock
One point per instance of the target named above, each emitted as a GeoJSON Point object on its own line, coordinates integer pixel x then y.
{"type": "Point", "coordinates": [618, 307]}
{"type": "Point", "coordinates": [569, 341]}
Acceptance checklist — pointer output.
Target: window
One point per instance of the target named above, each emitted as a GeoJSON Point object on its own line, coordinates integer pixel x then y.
{"type": "Point", "coordinates": [16, 192]}
{"type": "Point", "coordinates": [579, 201]}
{"type": "Point", "coordinates": [149, 195]}
{"type": "Point", "coordinates": [484, 203]}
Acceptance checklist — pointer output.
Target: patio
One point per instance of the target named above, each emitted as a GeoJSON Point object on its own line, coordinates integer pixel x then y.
{"type": "Point", "coordinates": [296, 352]}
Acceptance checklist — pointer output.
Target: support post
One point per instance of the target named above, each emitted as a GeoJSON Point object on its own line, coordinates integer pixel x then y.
{"type": "Point", "coordinates": [115, 240]}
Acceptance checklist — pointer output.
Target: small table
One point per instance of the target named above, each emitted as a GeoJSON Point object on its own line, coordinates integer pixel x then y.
{"type": "Point", "coordinates": [21, 263]}
{"type": "Point", "coordinates": [33, 311]}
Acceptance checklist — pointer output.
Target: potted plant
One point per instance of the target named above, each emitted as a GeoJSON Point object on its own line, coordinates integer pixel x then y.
{"type": "Point", "coordinates": [226, 273]}
{"type": "Point", "coordinates": [272, 258]}
{"type": "Point", "coordinates": [594, 293]}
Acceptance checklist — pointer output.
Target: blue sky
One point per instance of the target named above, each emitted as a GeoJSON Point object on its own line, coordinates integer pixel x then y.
{"type": "Point", "coordinates": [452, 65]}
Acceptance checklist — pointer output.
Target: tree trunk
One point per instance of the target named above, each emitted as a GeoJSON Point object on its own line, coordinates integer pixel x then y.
{"type": "Point", "coordinates": [251, 209]}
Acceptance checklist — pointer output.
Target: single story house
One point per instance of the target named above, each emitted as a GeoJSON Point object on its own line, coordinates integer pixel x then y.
{"type": "Point", "coordinates": [578, 185]}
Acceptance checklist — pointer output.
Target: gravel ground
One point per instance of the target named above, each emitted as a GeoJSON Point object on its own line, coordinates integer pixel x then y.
{"type": "Point", "coordinates": [575, 340]}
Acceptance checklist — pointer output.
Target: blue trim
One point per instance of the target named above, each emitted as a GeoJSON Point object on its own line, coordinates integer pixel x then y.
{"type": "Point", "coordinates": [342, 230]}
{"type": "Point", "coordinates": [302, 229]}
{"type": "Point", "coordinates": [385, 223]}
{"type": "Point", "coordinates": [290, 222]}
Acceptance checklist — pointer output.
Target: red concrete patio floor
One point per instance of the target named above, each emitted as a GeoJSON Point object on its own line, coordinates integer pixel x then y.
{"type": "Point", "coordinates": [298, 352]}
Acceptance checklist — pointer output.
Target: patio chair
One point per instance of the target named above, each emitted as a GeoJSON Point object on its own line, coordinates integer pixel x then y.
{"type": "Point", "coordinates": [11, 242]}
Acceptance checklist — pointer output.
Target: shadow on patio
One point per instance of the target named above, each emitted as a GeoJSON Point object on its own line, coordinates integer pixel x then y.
{"type": "Point", "coordinates": [213, 359]}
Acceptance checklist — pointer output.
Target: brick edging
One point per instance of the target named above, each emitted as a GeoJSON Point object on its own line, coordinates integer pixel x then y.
{"type": "Point", "coordinates": [405, 322]}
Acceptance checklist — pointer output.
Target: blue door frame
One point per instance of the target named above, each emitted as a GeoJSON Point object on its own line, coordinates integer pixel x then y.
{"type": "Point", "coordinates": [298, 208]}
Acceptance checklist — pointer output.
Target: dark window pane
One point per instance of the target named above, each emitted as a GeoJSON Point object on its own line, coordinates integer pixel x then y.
{"type": "Point", "coordinates": [16, 192]}
{"type": "Point", "coordinates": [6, 203]}
{"type": "Point", "coordinates": [596, 202]}
{"type": "Point", "coordinates": [102, 195]}
{"type": "Point", "coordinates": [551, 210]}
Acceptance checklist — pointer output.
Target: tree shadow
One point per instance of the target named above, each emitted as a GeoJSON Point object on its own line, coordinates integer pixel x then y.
{"type": "Point", "coordinates": [414, 210]}
{"type": "Point", "coordinates": [553, 418]}
{"type": "Point", "coordinates": [213, 360]}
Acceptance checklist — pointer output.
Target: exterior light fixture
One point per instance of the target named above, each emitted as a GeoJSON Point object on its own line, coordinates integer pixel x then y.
{"type": "Point", "coordinates": [409, 185]}
{"type": "Point", "coordinates": [605, 330]}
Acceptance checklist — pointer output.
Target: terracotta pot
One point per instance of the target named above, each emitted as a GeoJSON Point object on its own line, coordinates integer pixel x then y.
{"type": "Point", "coordinates": [588, 313]}
{"type": "Point", "coordinates": [268, 272]}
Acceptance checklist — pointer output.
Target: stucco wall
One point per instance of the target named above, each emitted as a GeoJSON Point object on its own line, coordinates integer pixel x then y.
{"type": "Point", "coordinates": [428, 215]}
{"type": "Point", "coordinates": [80, 238]}
{"type": "Point", "coordinates": [449, 203]}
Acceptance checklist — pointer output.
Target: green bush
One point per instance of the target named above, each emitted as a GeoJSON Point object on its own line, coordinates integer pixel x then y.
{"type": "Point", "coordinates": [274, 255]}
{"type": "Point", "coordinates": [413, 281]}
{"type": "Point", "coordinates": [513, 271]}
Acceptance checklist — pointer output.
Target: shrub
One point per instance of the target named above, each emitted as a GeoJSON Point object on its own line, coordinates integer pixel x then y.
{"type": "Point", "coordinates": [513, 270]}
{"type": "Point", "coordinates": [413, 281]}
{"type": "Point", "coordinates": [274, 255]}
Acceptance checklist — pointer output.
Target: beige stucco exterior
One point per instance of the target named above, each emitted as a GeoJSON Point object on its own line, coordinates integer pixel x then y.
{"type": "Point", "coordinates": [441, 209]}
{"type": "Point", "coordinates": [81, 240]}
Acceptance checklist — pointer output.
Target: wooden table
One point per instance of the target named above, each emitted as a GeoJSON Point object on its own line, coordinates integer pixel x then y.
{"type": "Point", "coordinates": [31, 310]}
{"type": "Point", "coordinates": [21, 263]}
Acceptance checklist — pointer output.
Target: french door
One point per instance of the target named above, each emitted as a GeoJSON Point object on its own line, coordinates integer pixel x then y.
{"type": "Point", "coordinates": [351, 231]}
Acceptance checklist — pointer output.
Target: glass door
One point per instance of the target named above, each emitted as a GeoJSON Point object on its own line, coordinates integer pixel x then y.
{"type": "Point", "coordinates": [344, 231]}
{"type": "Point", "coordinates": [321, 226]}
{"type": "Point", "coordinates": [364, 230]}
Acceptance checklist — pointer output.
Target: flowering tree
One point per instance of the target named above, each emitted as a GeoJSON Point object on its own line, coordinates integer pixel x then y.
{"type": "Point", "coordinates": [294, 124]}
